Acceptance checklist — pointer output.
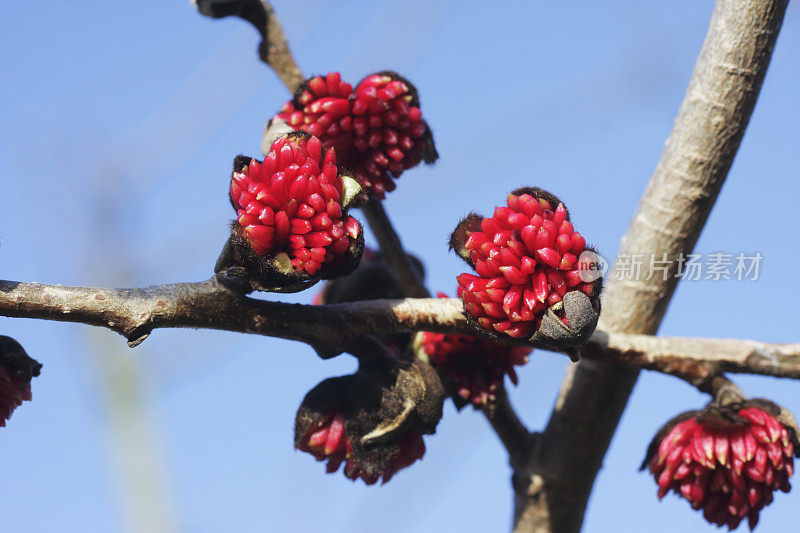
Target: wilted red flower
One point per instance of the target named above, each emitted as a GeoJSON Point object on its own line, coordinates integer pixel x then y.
{"type": "Point", "coordinates": [16, 372]}
{"type": "Point", "coordinates": [373, 420]}
{"type": "Point", "coordinates": [290, 207]}
{"type": "Point", "coordinates": [475, 365]}
{"type": "Point", "coordinates": [327, 440]}
{"type": "Point", "coordinates": [725, 461]}
{"type": "Point", "coordinates": [526, 259]}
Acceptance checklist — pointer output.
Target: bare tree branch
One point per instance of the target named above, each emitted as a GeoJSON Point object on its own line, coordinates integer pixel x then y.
{"type": "Point", "coordinates": [516, 438]}
{"type": "Point", "coordinates": [331, 329]}
{"type": "Point", "coordinates": [134, 313]}
{"type": "Point", "coordinates": [273, 50]}
{"type": "Point", "coordinates": [695, 360]}
{"type": "Point", "coordinates": [698, 154]}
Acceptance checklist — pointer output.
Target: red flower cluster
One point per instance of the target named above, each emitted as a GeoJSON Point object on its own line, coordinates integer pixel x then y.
{"type": "Point", "coordinates": [376, 129]}
{"type": "Point", "coordinates": [328, 440]}
{"type": "Point", "coordinates": [390, 135]}
{"type": "Point", "coordinates": [526, 257]}
{"type": "Point", "coordinates": [476, 365]}
{"type": "Point", "coordinates": [322, 108]}
{"type": "Point", "coordinates": [13, 391]}
{"type": "Point", "coordinates": [730, 470]}
{"type": "Point", "coordinates": [292, 203]}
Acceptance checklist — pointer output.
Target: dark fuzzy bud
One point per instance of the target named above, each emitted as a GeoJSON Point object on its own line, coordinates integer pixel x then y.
{"type": "Point", "coordinates": [371, 280]}
{"type": "Point", "coordinates": [16, 372]}
{"type": "Point", "coordinates": [371, 420]}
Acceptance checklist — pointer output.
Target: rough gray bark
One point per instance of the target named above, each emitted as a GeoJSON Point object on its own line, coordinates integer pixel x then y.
{"type": "Point", "coordinates": [695, 360]}
{"type": "Point", "coordinates": [135, 313]}
{"type": "Point", "coordinates": [552, 492]}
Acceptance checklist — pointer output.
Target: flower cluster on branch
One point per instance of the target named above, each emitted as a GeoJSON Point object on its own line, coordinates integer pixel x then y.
{"type": "Point", "coordinates": [337, 146]}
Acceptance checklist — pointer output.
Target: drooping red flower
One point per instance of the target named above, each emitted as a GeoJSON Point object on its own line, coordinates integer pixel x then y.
{"type": "Point", "coordinates": [16, 372]}
{"type": "Point", "coordinates": [327, 440]}
{"type": "Point", "coordinates": [372, 420]}
{"type": "Point", "coordinates": [322, 107]}
{"type": "Point", "coordinates": [390, 134]}
{"type": "Point", "coordinates": [526, 259]}
{"type": "Point", "coordinates": [475, 365]}
{"type": "Point", "coordinates": [290, 207]}
{"type": "Point", "coordinates": [727, 462]}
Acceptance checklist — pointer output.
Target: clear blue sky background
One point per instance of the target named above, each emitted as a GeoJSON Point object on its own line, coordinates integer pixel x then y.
{"type": "Point", "coordinates": [119, 122]}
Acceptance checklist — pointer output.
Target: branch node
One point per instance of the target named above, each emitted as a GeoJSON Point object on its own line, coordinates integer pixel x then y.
{"type": "Point", "coordinates": [133, 342]}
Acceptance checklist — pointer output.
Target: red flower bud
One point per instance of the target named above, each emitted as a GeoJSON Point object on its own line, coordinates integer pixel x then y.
{"type": "Point", "coordinates": [528, 282]}
{"type": "Point", "coordinates": [292, 224]}
{"type": "Point", "coordinates": [390, 134]}
{"type": "Point", "coordinates": [727, 461]}
{"type": "Point", "coordinates": [16, 372]}
{"type": "Point", "coordinates": [377, 129]}
{"type": "Point", "coordinates": [322, 107]}
{"type": "Point", "coordinates": [476, 366]}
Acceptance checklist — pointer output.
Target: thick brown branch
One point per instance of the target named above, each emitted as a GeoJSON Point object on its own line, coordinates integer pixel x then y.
{"type": "Point", "coordinates": [698, 154]}
{"type": "Point", "coordinates": [273, 50]}
{"type": "Point", "coordinates": [135, 313]}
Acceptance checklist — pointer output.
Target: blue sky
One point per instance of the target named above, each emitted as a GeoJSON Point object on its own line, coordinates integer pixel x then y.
{"type": "Point", "coordinates": [119, 123]}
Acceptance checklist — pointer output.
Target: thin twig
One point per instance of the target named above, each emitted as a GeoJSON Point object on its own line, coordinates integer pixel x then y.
{"type": "Point", "coordinates": [405, 274]}
{"type": "Point", "coordinates": [723, 390]}
{"type": "Point", "coordinates": [515, 437]}
{"type": "Point", "coordinates": [273, 50]}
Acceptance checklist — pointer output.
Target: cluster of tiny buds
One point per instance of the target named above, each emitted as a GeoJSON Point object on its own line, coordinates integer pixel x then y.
{"type": "Point", "coordinates": [526, 259]}
{"type": "Point", "coordinates": [377, 128]}
{"type": "Point", "coordinates": [291, 203]}
{"type": "Point", "coordinates": [727, 466]}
